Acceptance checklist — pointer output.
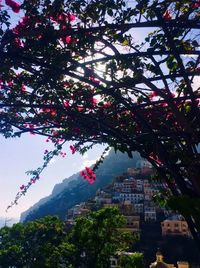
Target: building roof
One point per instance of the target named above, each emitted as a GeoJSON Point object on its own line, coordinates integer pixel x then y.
{"type": "Point", "coordinates": [175, 218]}
{"type": "Point", "coordinates": [158, 265]}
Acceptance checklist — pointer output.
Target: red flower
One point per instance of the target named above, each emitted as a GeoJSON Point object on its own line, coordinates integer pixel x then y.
{"type": "Point", "coordinates": [23, 88]}
{"type": "Point", "coordinates": [156, 159]}
{"type": "Point", "coordinates": [22, 187]}
{"type": "Point", "coordinates": [66, 104]}
{"type": "Point", "coordinates": [196, 5]}
{"type": "Point", "coordinates": [167, 15]}
{"type": "Point", "coordinates": [15, 6]}
{"type": "Point", "coordinates": [53, 112]}
{"type": "Point", "coordinates": [89, 175]}
{"type": "Point", "coordinates": [94, 101]}
{"type": "Point", "coordinates": [106, 105]}
{"type": "Point", "coordinates": [92, 78]}
{"type": "Point", "coordinates": [82, 173]}
{"type": "Point", "coordinates": [72, 148]}
{"type": "Point", "coordinates": [153, 94]}
{"type": "Point", "coordinates": [80, 108]}
{"type": "Point", "coordinates": [10, 83]}
{"type": "Point", "coordinates": [68, 39]}
{"type": "Point", "coordinates": [71, 17]}
{"type": "Point", "coordinates": [54, 133]}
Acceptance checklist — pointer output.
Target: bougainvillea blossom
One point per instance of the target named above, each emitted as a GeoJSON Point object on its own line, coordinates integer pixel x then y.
{"type": "Point", "coordinates": [167, 15]}
{"type": "Point", "coordinates": [22, 187]}
{"type": "Point", "coordinates": [89, 175]}
{"type": "Point", "coordinates": [73, 149]}
{"type": "Point", "coordinates": [71, 17]}
{"type": "Point", "coordinates": [144, 98]}
{"type": "Point", "coordinates": [68, 39]}
{"type": "Point", "coordinates": [13, 5]}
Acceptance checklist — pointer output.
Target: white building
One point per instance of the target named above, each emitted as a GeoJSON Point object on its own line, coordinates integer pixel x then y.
{"type": "Point", "coordinates": [139, 185]}
{"type": "Point", "coordinates": [132, 197]}
{"type": "Point", "coordinates": [127, 186]}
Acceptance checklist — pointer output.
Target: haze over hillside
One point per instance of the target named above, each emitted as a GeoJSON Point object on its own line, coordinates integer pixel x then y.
{"type": "Point", "coordinates": [74, 189]}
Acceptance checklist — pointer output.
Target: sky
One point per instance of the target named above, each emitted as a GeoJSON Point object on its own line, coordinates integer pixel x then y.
{"type": "Point", "coordinates": [26, 153]}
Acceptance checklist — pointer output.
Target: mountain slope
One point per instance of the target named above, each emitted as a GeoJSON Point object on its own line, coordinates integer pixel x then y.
{"type": "Point", "coordinates": [75, 190]}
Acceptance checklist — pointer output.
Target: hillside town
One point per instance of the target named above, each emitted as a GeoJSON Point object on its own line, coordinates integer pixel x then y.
{"type": "Point", "coordinates": [133, 194]}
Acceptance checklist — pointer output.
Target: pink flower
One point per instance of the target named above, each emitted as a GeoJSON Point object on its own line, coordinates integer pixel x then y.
{"type": "Point", "coordinates": [93, 101]}
{"type": "Point", "coordinates": [92, 78]}
{"type": "Point", "coordinates": [80, 108]}
{"type": "Point", "coordinates": [66, 104]}
{"type": "Point", "coordinates": [23, 88]}
{"type": "Point", "coordinates": [156, 159]}
{"type": "Point", "coordinates": [63, 154]}
{"type": "Point", "coordinates": [22, 187]}
{"type": "Point", "coordinates": [25, 20]}
{"type": "Point", "coordinates": [153, 94]}
{"type": "Point", "coordinates": [167, 15]}
{"type": "Point", "coordinates": [196, 5]}
{"type": "Point", "coordinates": [53, 112]}
{"type": "Point", "coordinates": [71, 17]}
{"type": "Point", "coordinates": [89, 175]}
{"type": "Point", "coordinates": [68, 39]}
{"type": "Point", "coordinates": [82, 173]}
{"type": "Point", "coordinates": [169, 116]}
{"type": "Point", "coordinates": [54, 133]}
{"type": "Point", "coordinates": [46, 151]}
{"type": "Point", "coordinates": [106, 105]}
{"type": "Point", "coordinates": [72, 148]}
{"type": "Point", "coordinates": [15, 6]}
{"type": "Point", "coordinates": [10, 83]}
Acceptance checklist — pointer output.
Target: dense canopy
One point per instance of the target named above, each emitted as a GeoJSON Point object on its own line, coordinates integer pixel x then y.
{"type": "Point", "coordinates": [75, 70]}
{"type": "Point", "coordinates": [49, 242]}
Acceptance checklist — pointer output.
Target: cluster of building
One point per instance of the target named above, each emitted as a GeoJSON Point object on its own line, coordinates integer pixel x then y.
{"type": "Point", "coordinates": [133, 194]}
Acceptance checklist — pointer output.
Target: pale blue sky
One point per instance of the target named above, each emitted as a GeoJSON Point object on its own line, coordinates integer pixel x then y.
{"type": "Point", "coordinates": [26, 153]}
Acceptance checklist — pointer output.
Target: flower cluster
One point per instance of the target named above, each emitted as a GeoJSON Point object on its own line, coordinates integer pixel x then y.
{"type": "Point", "coordinates": [14, 6]}
{"type": "Point", "coordinates": [167, 15]}
{"type": "Point", "coordinates": [72, 148]}
{"type": "Point", "coordinates": [89, 175]}
{"type": "Point", "coordinates": [196, 5]}
{"type": "Point", "coordinates": [22, 25]}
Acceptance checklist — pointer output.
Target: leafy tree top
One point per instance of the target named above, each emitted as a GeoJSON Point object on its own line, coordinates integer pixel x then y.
{"type": "Point", "coordinates": [47, 242]}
